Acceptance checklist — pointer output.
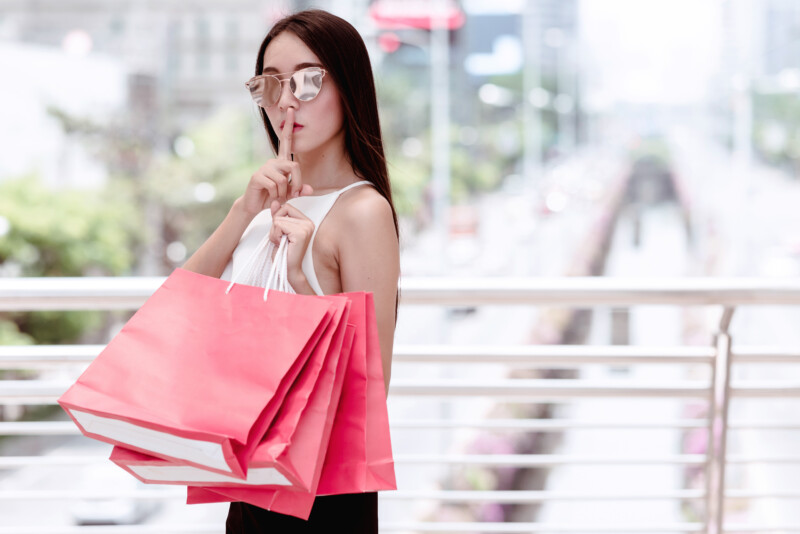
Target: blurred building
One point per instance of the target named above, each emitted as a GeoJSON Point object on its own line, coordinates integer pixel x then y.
{"type": "Point", "coordinates": [37, 80]}
{"type": "Point", "coordinates": [184, 58]}
{"type": "Point", "coordinates": [761, 44]}
{"type": "Point", "coordinates": [760, 51]}
{"type": "Point", "coordinates": [505, 37]}
{"type": "Point", "coordinates": [781, 50]}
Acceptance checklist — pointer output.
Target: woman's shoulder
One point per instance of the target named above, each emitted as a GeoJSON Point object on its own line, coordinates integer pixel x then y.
{"type": "Point", "coordinates": [364, 201]}
{"type": "Point", "coordinates": [362, 210]}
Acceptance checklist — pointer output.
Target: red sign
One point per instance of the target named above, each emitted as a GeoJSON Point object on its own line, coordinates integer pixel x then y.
{"type": "Point", "coordinates": [421, 14]}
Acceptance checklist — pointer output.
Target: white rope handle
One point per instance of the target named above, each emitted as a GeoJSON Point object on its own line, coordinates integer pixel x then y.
{"type": "Point", "coordinates": [283, 271]}
{"type": "Point", "coordinates": [262, 270]}
{"type": "Point", "coordinates": [274, 280]}
{"type": "Point", "coordinates": [249, 264]}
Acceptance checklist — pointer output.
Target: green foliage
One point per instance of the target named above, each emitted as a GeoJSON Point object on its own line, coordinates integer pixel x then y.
{"type": "Point", "coordinates": [225, 155]}
{"type": "Point", "coordinates": [60, 233]}
{"type": "Point", "coordinates": [775, 132]}
{"type": "Point", "coordinates": [654, 149]}
{"type": "Point", "coordinates": [410, 178]}
{"type": "Point", "coordinates": [10, 334]}
{"type": "Point", "coordinates": [64, 232]}
{"type": "Point", "coordinates": [476, 165]}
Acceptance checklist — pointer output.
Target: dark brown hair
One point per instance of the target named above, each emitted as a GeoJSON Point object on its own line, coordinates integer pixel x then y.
{"type": "Point", "coordinates": [344, 56]}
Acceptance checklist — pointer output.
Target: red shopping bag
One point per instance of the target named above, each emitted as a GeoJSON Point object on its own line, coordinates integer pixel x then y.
{"type": "Point", "coordinates": [185, 379]}
{"type": "Point", "coordinates": [292, 451]}
{"type": "Point", "coordinates": [359, 456]}
{"type": "Point", "coordinates": [288, 500]}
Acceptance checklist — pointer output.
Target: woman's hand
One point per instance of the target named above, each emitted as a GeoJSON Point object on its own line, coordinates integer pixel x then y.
{"type": "Point", "coordinates": [278, 179]}
{"type": "Point", "coordinates": [288, 220]}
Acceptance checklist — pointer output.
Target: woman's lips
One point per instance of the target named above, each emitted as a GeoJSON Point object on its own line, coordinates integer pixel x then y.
{"type": "Point", "coordinates": [294, 129]}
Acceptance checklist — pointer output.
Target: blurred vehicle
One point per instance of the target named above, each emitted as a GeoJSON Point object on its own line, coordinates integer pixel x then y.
{"type": "Point", "coordinates": [124, 510]}
{"type": "Point", "coordinates": [463, 221]}
{"type": "Point", "coordinates": [462, 245]}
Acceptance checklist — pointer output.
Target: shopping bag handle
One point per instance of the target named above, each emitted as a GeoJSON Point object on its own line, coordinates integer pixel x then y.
{"type": "Point", "coordinates": [278, 274]}
{"type": "Point", "coordinates": [278, 278]}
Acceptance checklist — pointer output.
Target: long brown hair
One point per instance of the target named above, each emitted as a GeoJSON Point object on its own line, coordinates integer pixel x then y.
{"type": "Point", "coordinates": [344, 56]}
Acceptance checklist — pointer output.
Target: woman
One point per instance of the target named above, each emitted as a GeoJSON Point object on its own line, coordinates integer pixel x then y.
{"type": "Point", "coordinates": [328, 191]}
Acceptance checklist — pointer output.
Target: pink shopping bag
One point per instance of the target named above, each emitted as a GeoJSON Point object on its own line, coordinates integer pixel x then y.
{"type": "Point", "coordinates": [292, 451]}
{"type": "Point", "coordinates": [185, 379]}
{"type": "Point", "coordinates": [359, 456]}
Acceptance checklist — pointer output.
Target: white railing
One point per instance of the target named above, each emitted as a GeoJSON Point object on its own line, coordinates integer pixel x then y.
{"type": "Point", "coordinates": [129, 293]}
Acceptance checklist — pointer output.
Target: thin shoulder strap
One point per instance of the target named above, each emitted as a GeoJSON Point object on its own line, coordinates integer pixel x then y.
{"type": "Point", "coordinates": [351, 186]}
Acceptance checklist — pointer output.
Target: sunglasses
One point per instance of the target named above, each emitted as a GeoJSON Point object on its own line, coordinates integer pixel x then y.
{"type": "Point", "coordinates": [304, 84]}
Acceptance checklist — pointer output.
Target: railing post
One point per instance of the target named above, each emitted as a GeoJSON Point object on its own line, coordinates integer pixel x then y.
{"type": "Point", "coordinates": [718, 426]}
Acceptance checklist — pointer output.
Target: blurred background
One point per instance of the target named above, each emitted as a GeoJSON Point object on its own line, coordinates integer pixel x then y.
{"type": "Point", "coordinates": [540, 138]}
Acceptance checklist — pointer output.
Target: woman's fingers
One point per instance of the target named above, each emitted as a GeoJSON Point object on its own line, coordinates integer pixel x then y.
{"type": "Point", "coordinates": [278, 179]}
{"type": "Point", "coordinates": [285, 148]}
{"type": "Point", "coordinates": [297, 231]}
{"type": "Point", "coordinates": [295, 180]}
{"type": "Point", "coordinates": [286, 219]}
{"type": "Point", "coordinates": [274, 177]}
{"type": "Point", "coordinates": [287, 210]}
{"type": "Point", "coordinates": [287, 176]}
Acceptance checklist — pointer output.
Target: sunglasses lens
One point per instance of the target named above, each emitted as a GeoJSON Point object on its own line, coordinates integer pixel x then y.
{"type": "Point", "coordinates": [305, 84]}
{"type": "Point", "coordinates": [256, 86]}
{"type": "Point", "coordinates": [272, 91]}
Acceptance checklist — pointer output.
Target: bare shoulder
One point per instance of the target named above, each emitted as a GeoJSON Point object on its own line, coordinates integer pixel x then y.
{"type": "Point", "coordinates": [364, 209]}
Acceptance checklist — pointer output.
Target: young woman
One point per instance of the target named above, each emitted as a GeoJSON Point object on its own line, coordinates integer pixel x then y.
{"type": "Point", "coordinates": [328, 191]}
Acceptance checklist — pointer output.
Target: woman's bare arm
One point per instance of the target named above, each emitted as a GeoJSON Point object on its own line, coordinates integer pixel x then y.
{"type": "Point", "coordinates": [369, 260]}
{"type": "Point", "coordinates": [213, 256]}
{"type": "Point", "coordinates": [268, 184]}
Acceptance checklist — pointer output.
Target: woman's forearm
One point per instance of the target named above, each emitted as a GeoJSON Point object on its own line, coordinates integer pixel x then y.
{"type": "Point", "coordinates": [213, 256]}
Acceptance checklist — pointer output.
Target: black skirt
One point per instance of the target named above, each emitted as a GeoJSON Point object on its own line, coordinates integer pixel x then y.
{"type": "Point", "coordinates": [354, 513]}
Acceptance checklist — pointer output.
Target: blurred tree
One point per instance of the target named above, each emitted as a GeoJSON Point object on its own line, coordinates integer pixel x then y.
{"type": "Point", "coordinates": [181, 188]}
{"type": "Point", "coordinates": [206, 171]}
{"type": "Point", "coordinates": [481, 154]}
{"type": "Point", "coordinates": [60, 233]}
{"type": "Point", "coordinates": [775, 133]}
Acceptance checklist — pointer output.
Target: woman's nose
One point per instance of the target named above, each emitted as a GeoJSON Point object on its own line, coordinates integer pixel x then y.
{"type": "Point", "coordinates": [287, 98]}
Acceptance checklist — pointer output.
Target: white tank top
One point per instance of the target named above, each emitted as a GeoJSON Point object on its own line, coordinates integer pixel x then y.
{"type": "Point", "coordinates": [315, 208]}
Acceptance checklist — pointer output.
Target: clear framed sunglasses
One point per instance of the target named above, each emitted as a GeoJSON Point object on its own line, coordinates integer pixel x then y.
{"type": "Point", "coordinates": [304, 84]}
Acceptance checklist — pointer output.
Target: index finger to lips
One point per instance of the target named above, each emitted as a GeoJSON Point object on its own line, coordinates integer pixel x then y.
{"type": "Point", "coordinates": [296, 185]}
{"type": "Point", "coordinates": [285, 149]}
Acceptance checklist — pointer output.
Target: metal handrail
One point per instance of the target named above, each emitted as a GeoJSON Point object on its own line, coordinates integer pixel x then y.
{"type": "Point", "coordinates": [115, 293]}
{"type": "Point", "coordinates": [67, 428]}
{"type": "Point", "coordinates": [529, 355]}
{"type": "Point", "coordinates": [520, 460]}
{"type": "Point", "coordinates": [520, 527]}
{"type": "Point", "coordinates": [129, 293]}
{"type": "Point", "coordinates": [47, 392]}
{"type": "Point", "coordinates": [22, 356]}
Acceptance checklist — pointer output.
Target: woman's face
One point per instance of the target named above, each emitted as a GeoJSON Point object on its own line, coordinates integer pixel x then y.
{"type": "Point", "coordinates": [317, 122]}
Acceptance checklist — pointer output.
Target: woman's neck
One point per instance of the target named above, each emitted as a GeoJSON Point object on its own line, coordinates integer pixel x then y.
{"type": "Point", "coordinates": [326, 168]}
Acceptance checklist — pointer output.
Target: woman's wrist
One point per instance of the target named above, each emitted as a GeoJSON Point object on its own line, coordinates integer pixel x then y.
{"type": "Point", "coordinates": [299, 282]}
{"type": "Point", "coordinates": [238, 209]}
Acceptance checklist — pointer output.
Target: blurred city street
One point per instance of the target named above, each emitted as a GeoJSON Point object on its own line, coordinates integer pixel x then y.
{"type": "Point", "coordinates": [525, 141]}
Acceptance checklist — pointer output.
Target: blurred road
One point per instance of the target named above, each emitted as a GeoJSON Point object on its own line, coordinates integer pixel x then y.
{"type": "Point", "coordinates": [501, 246]}
{"type": "Point", "coordinates": [662, 252]}
{"type": "Point", "coordinates": [497, 248]}
{"type": "Point", "coordinates": [516, 237]}
{"type": "Point", "coordinates": [748, 220]}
